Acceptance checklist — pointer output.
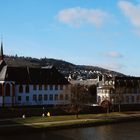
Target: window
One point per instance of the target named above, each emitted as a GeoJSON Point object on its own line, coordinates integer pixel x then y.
{"type": "Point", "coordinates": [98, 99]}
{"type": "Point", "coordinates": [27, 98]}
{"type": "Point", "coordinates": [40, 97]}
{"type": "Point", "coordinates": [138, 91]}
{"type": "Point", "coordinates": [40, 87]}
{"type": "Point", "coordinates": [111, 91]}
{"type": "Point", "coordinates": [19, 98]}
{"type": "Point", "coordinates": [66, 96]}
{"type": "Point", "coordinates": [51, 87]}
{"type": "Point", "coordinates": [127, 99]}
{"type": "Point", "coordinates": [45, 97]}
{"type": "Point", "coordinates": [61, 97]}
{"type": "Point", "coordinates": [27, 89]}
{"type": "Point", "coordinates": [135, 90]}
{"type": "Point", "coordinates": [105, 91]}
{"type": "Point", "coordinates": [34, 97]}
{"type": "Point", "coordinates": [51, 97]}
{"type": "Point", "coordinates": [34, 87]}
{"type": "Point", "coordinates": [45, 87]}
{"type": "Point", "coordinates": [132, 99]}
{"type": "Point", "coordinates": [20, 89]}
{"type": "Point", "coordinates": [56, 97]}
{"type": "Point", "coordinates": [61, 87]}
{"type": "Point", "coordinates": [138, 98]}
{"type": "Point", "coordinates": [56, 87]}
{"type": "Point", "coordinates": [7, 93]}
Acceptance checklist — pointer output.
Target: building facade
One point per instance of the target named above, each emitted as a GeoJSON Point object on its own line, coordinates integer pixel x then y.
{"type": "Point", "coordinates": [119, 90]}
{"type": "Point", "coordinates": [26, 86]}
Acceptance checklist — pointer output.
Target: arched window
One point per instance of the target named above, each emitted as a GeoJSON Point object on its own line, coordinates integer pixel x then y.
{"type": "Point", "coordinates": [7, 91]}
{"type": "Point", "coordinates": [27, 89]}
{"type": "Point", "coordinates": [20, 89]}
{"type": "Point", "coordinates": [98, 99]}
{"type": "Point", "coordinates": [0, 89]}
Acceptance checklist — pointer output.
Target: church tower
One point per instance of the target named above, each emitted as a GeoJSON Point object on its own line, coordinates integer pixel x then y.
{"type": "Point", "coordinates": [1, 51]}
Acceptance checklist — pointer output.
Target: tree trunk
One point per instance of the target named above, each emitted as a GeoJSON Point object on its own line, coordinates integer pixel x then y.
{"type": "Point", "coordinates": [77, 115]}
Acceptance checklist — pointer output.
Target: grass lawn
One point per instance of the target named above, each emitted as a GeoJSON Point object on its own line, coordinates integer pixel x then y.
{"type": "Point", "coordinates": [61, 118]}
{"type": "Point", "coordinates": [85, 118]}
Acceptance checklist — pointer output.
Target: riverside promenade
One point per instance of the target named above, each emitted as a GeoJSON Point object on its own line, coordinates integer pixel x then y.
{"type": "Point", "coordinates": [34, 124]}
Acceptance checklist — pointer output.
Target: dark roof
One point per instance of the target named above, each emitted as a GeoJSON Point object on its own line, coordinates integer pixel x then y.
{"type": "Point", "coordinates": [127, 78]}
{"type": "Point", "coordinates": [27, 75]}
{"type": "Point", "coordinates": [127, 81]}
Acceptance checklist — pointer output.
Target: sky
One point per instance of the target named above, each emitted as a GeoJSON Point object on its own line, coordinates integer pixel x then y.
{"type": "Point", "coordinates": [104, 33]}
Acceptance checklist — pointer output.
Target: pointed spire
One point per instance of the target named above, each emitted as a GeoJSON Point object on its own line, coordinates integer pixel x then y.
{"type": "Point", "coordinates": [1, 51]}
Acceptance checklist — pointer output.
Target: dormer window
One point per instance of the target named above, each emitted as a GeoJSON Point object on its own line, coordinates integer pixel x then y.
{"type": "Point", "coordinates": [40, 87]}
{"type": "Point", "coordinates": [20, 89]}
{"type": "Point", "coordinates": [27, 89]}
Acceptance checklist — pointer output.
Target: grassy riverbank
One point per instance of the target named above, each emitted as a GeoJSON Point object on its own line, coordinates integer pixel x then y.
{"type": "Point", "coordinates": [33, 124]}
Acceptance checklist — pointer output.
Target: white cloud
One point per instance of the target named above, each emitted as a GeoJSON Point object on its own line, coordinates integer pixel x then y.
{"type": "Point", "coordinates": [131, 11]}
{"type": "Point", "coordinates": [113, 54]}
{"type": "Point", "coordinates": [79, 16]}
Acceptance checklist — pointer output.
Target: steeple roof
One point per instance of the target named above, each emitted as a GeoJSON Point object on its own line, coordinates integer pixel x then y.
{"type": "Point", "coordinates": [1, 51]}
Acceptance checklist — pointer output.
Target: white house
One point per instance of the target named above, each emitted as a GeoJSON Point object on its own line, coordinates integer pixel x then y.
{"type": "Point", "coordinates": [26, 86]}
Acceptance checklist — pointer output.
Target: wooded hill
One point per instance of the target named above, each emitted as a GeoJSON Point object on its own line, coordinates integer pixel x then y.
{"type": "Point", "coordinates": [84, 71]}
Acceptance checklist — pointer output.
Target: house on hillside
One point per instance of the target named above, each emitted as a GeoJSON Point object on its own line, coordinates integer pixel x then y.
{"type": "Point", "coordinates": [119, 90]}
{"type": "Point", "coordinates": [26, 86]}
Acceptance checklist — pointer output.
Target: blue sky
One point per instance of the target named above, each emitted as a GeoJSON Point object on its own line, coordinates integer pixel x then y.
{"type": "Point", "coordinates": [103, 33]}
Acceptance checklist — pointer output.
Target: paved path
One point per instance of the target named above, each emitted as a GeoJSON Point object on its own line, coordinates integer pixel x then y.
{"type": "Point", "coordinates": [48, 123]}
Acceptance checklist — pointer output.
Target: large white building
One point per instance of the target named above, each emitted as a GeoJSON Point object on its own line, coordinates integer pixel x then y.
{"type": "Point", "coordinates": [26, 86]}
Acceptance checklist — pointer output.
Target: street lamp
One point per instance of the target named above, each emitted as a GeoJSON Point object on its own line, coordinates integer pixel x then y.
{"type": "Point", "coordinates": [112, 101]}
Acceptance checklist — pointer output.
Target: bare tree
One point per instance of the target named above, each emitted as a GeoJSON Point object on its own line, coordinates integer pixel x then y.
{"type": "Point", "coordinates": [92, 93]}
{"type": "Point", "coordinates": [79, 97]}
{"type": "Point", "coordinates": [119, 96]}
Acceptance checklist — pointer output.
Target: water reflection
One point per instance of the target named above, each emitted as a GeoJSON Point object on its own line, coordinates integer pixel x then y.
{"type": "Point", "coordinates": [123, 131]}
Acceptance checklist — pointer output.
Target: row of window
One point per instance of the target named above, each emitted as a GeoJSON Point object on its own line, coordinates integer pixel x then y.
{"type": "Point", "coordinates": [45, 97]}
{"type": "Point", "coordinates": [127, 99]}
{"type": "Point", "coordinates": [127, 90]}
{"type": "Point", "coordinates": [46, 87]}
{"type": "Point", "coordinates": [40, 87]}
{"type": "Point", "coordinates": [122, 99]}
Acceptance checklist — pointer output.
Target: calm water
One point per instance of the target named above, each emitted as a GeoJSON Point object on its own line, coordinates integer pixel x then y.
{"type": "Point", "coordinates": [124, 131]}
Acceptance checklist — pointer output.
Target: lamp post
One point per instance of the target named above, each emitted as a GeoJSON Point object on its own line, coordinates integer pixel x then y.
{"type": "Point", "coordinates": [43, 112]}
{"type": "Point", "coordinates": [119, 104]}
{"type": "Point", "coordinates": [112, 101]}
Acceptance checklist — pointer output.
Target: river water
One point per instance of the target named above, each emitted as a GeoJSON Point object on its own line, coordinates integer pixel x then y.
{"type": "Point", "coordinates": [122, 131]}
